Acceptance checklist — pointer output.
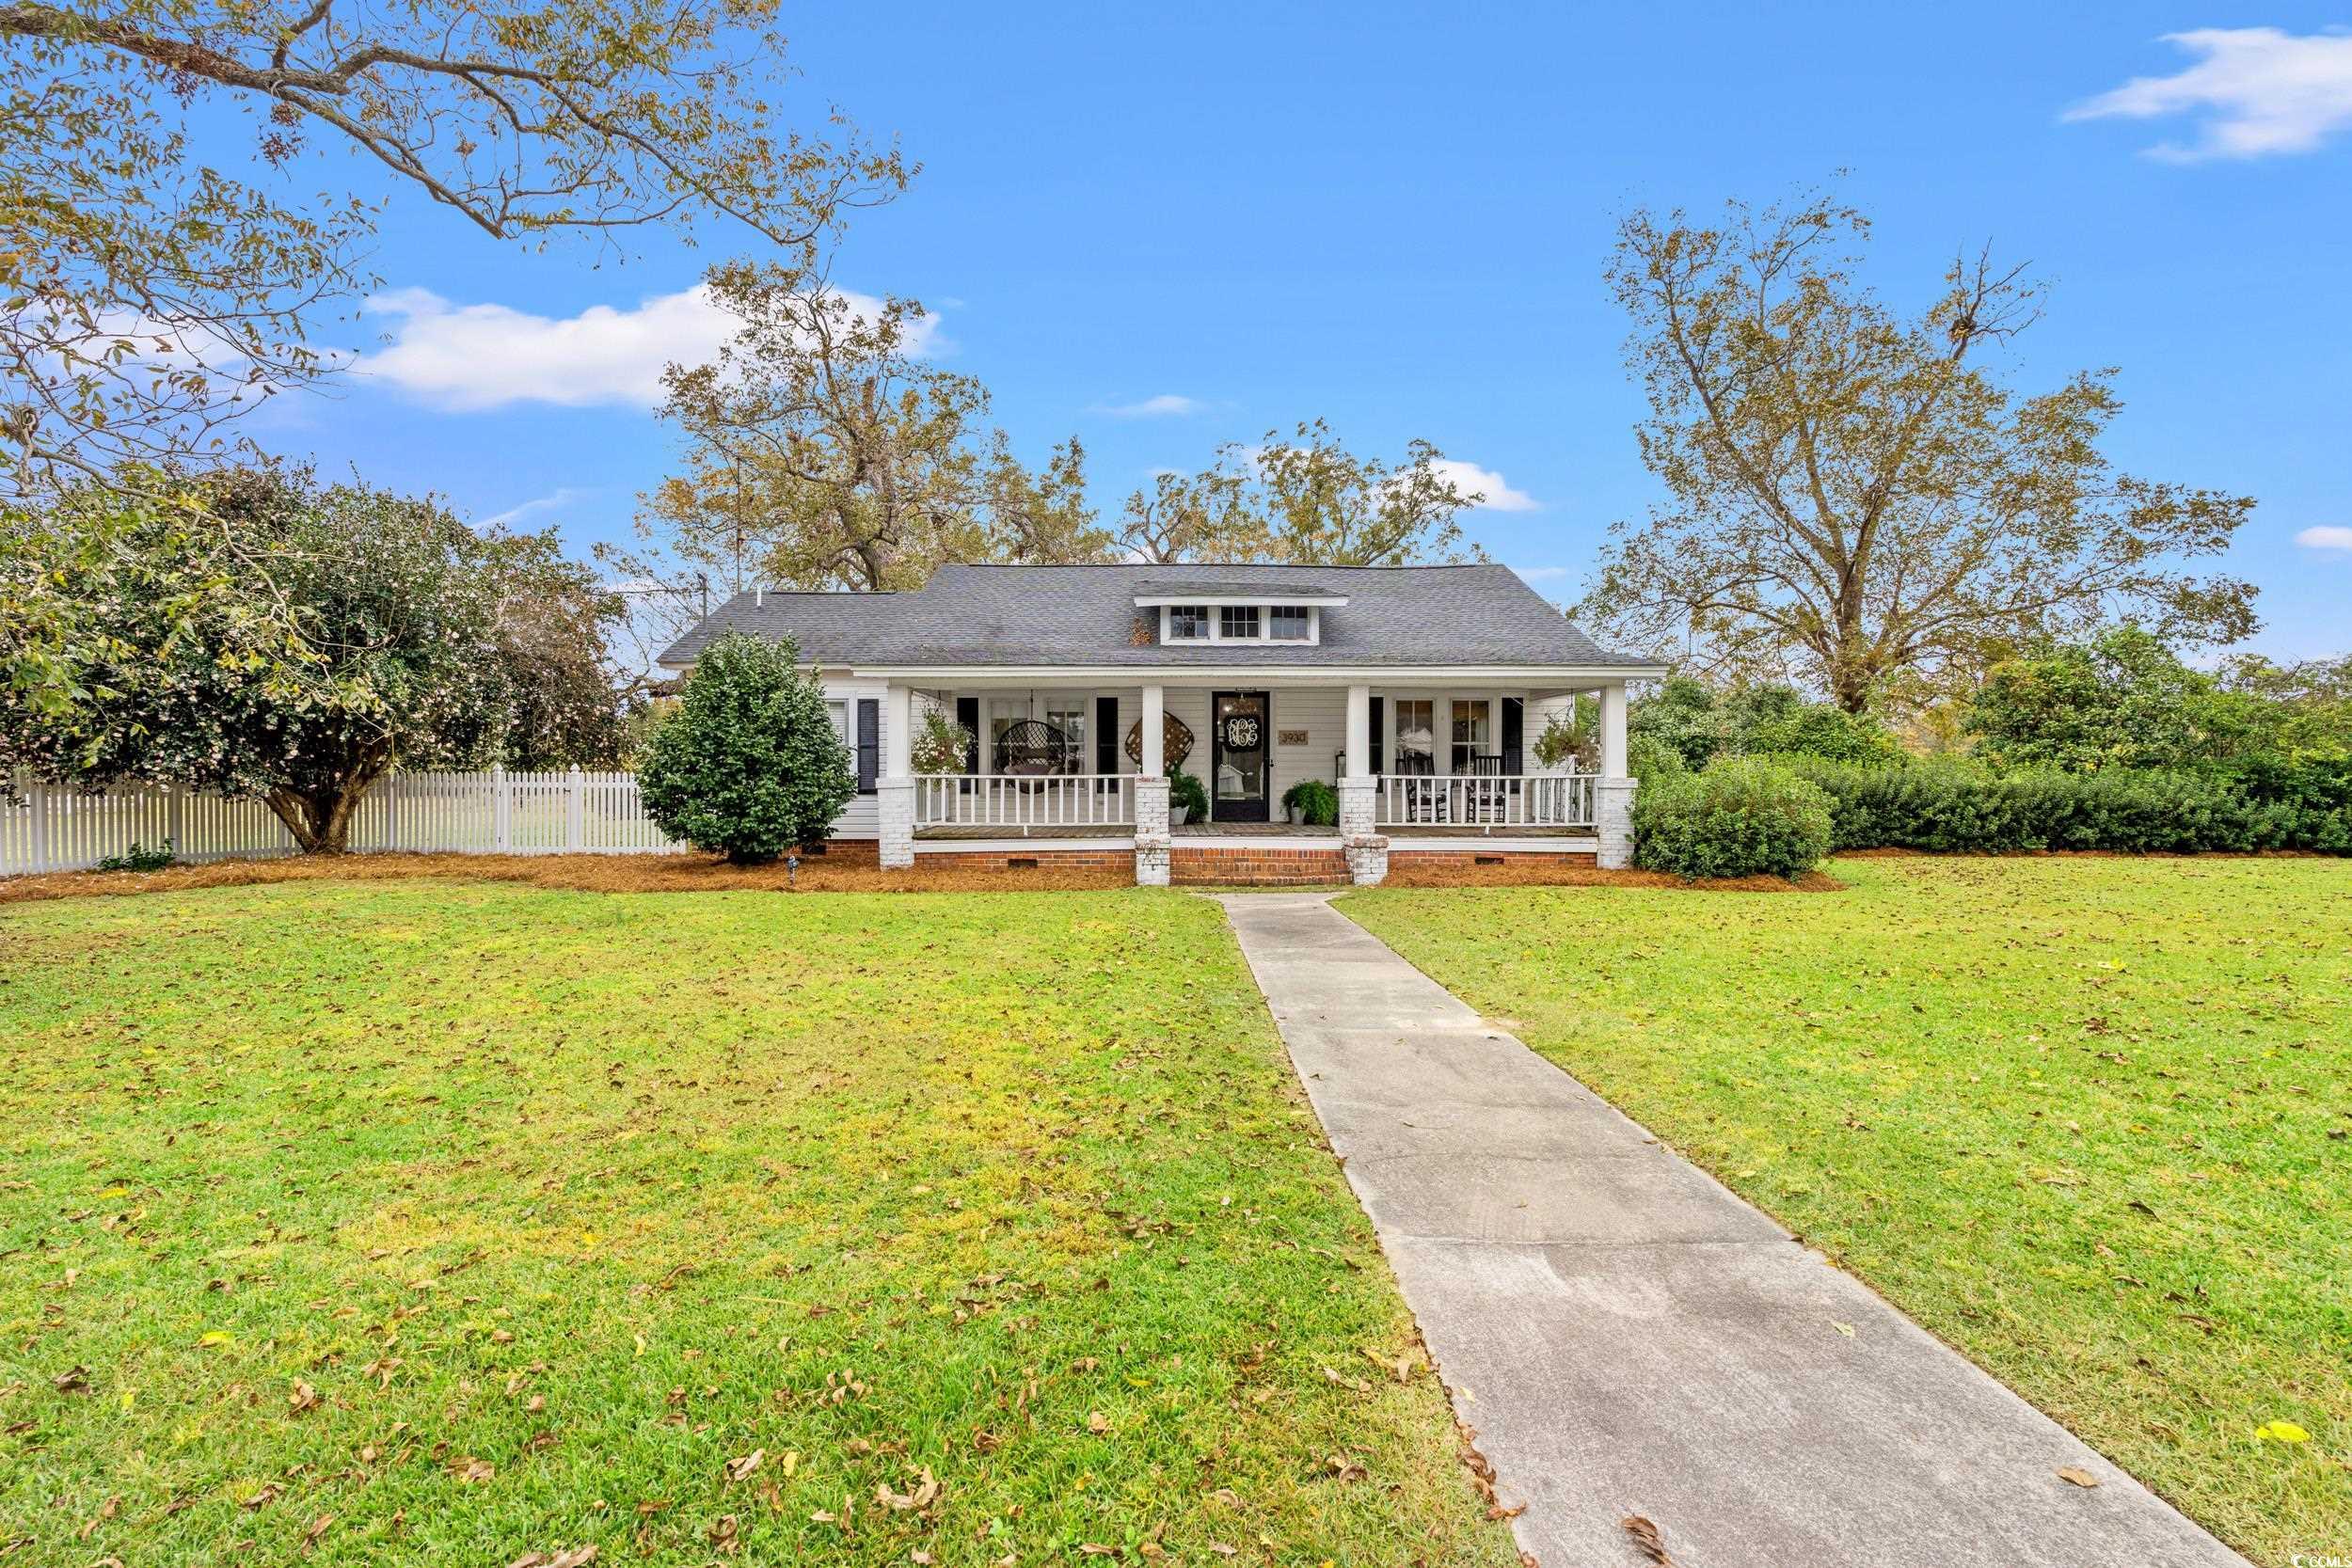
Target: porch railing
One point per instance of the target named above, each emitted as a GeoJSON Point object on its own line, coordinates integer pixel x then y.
{"type": "Point", "coordinates": [1018, 802]}
{"type": "Point", "coordinates": [1486, 802]}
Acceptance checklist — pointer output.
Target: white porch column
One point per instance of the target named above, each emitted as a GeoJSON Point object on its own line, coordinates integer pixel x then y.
{"type": "Point", "coordinates": [893, 792]}
{"type": "Point", "coordinates": [1613, 793]}
{"type": "Point", "coordinates": [1359, 834]}
{"type": "Point", "coordinates": [1151, 835]}
{"type": "Point", "coordinates": [1154, 723]}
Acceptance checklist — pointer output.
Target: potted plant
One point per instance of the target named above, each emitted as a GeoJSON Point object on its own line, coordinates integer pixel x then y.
{"type": "Point", "coordinates": [1312, 802]}
{"type": "Point", "coordinates": [1187, 799]}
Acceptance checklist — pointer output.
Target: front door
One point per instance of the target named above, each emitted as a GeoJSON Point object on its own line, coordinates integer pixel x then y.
{"type": "Point", "coordinates": [1241, 742]}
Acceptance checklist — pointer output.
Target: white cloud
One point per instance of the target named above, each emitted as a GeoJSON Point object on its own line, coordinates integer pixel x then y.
{"type": "Point", "coordinates": [1540, 574]}
{"type": "Point", "coordinates": [2324, 538]}
{"type": "Point", "coordinates": [1498, 491]}
{"type": "Point", "coordinates": [465, 357]}
{"type": "Point", "coordinates": [2261, 91]}
{"type": "Point", "coordinates": [563, 496]}
{"type": "Point", "coordinates": [1162, 406]}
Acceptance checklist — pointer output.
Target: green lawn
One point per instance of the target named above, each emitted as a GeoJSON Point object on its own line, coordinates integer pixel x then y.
{"type": "Point", "coordinates": [2085, 1118]}
{"type": "Point", "coordinates": [464, 1221]}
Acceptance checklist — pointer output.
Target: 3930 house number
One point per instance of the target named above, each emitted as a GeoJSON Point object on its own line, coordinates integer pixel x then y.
{"type": "Point", "coordinates": [1291, 737]}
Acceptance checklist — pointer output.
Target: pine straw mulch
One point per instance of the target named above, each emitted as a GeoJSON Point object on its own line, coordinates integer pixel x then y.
{"type": "Point", "coordinates": [574, 873]}
{"type": "Point", "coordinates": [1534, 872]}
{"type": "Point", "coordinates": [709, 874]}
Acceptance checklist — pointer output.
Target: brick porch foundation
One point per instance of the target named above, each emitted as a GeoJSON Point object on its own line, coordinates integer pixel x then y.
{"type": "Point", "coordinates": [1253, 868]}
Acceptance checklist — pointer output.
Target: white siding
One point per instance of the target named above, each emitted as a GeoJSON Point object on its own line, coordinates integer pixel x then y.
{"type": "Point", "coordinates": [859, 818]}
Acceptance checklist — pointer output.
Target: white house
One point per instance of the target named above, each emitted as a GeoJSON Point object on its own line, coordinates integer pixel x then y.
{"type": "Point", "coordinates": [1417, 691]}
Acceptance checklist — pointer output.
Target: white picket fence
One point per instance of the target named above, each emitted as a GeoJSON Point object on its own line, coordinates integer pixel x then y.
{"type": "Point", "coordinates": [52, 828]}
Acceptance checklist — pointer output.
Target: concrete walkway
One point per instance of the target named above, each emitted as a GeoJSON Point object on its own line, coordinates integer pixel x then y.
{"type": "Point", "coordinates": [1628, 1338]}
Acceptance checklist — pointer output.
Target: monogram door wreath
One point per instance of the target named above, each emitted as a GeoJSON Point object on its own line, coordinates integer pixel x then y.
{"type": "Point", "coordinates": [1243, 731]}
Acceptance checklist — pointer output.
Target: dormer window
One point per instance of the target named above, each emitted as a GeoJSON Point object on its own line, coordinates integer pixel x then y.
{"type": "Point", "coordinates": [1238, 611]}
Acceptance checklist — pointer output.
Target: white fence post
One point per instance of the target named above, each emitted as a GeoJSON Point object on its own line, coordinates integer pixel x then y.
{"type": "Point", "coordinates": [175, 818]}
{"type": "Point", "coordinates": [36, 796]}
{"type": "Point", "coordinates": [502, 810]}
{"type": "Point", "coordinates": [572, 809]}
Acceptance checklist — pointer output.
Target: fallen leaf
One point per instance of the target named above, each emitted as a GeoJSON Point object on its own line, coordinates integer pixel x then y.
{"type": "Point", "coordinates": [466, 1469]}
{"type": "Point", "coordinates": [2076, 1475]}
{"type": "Point", "coordinates": [1097, 1422]}
{"type": "Point", "coordinates": [741, 1469]}
{"type": "Point", "coordinates": [1648, 1537]}
{"type": "Point", "coordinates": [303, 1398]}
{"type": "Point", "coordinates": [2283, 1432]}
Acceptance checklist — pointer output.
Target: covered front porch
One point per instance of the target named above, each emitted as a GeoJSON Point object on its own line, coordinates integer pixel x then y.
{"type": "Point", "coordinates": [1424, 764]}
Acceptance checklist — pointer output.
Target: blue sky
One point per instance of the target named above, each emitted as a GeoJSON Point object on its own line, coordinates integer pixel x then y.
{"type": "Point", "coordinates": [1397, 221]}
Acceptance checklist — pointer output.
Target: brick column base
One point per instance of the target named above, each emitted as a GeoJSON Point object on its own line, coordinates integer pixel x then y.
{"type": "Point", "coordinates": [1151, 835]}
{"type": "Point", "coordinates": [893, 803]}
{"type": "Point", "coordinates": [1613, 815]}
{"type": "Point", "coordinates": [1367, 848]}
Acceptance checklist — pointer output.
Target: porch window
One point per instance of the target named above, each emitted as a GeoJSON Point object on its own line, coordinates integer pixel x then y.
{"type": "Point", "coordinates": [1416, 735]}
{"type": "Point", "coordinates": [1238, 621]}
{"type": "Point", "coordinates": [1068, 714]}
{"type": "Point", "coordinates": [1290, 623]}
{"type": "Point", "coordinates": [839, 714]}
{"type": "Point", "coordinates": [1189, 623]}
{"type": "Point", "coordinates": [1473, 733]}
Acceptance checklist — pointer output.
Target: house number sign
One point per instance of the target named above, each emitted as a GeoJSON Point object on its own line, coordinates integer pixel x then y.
{"type": "Point", "coordinates": [1291, 737]}
{"type": "Point", "coordinates": [1241, 733]}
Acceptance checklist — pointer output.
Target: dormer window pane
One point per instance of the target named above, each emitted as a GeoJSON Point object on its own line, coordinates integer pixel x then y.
{"type": "Point", "coordinates": [1290, 623]}
{"type": "Point", "coordinates": [1187, 623]}
{"type": "Point", "coordinates": [1239, 620]}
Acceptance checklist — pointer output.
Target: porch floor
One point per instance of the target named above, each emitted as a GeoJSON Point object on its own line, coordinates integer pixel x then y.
{"type": "Point", "coordinates": [1245, 829]}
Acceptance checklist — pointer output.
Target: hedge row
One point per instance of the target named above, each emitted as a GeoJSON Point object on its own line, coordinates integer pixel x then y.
{"type": "Point", "coordinates": [1952, 806]}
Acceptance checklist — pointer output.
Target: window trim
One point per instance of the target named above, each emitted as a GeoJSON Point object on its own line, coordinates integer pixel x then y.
{"type": "Point", "coordinates": [1212, 613]}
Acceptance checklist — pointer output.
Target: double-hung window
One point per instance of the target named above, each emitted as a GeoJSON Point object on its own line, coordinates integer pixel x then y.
{"type": "Point", "coordinates": [1189, 623]}
{"type": "Point", "coordinates": [1238, 622]}
{"type": "Point", "coordinates": [1288, 623]}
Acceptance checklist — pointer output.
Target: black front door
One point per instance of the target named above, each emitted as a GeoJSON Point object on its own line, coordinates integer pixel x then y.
{"type": "Point", "coordinates": [1241, 745]}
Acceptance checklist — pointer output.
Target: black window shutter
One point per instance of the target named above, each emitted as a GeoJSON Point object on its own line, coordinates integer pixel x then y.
{"type": "Point", "coordinates": [968, 715]}
{"type": "Point", "coordinates": [868, 743]}
{"type": "Point", "coordinates": [1106, 735]}
{"type": "Point", "coordinates": [1514, 726]}
{"type": "Point", "coordinates": [1380, 737]}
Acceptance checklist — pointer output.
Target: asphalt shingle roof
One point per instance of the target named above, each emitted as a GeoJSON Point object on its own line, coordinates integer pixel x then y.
{"type": "Point", "coordinates": [981, 616]}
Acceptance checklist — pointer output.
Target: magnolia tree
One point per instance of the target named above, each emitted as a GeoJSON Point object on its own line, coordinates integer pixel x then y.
{"type": "Point", "coordinates": [750, 765]}
{"type": "Point", "coordinates": [262, 637]}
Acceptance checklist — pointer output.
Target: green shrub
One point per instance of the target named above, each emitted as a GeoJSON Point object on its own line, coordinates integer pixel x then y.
{"type": "Point", "coordinates": [1185, 791]}
{"type": "Point", "coordinates": [1316, 803]}
{"type": "Point", "coordinates": [140, 858]}
{"type": "Point", "coordinates": [1744, 817]}
{"type": "Point", "coordinates": [1821, 730]}
{"type": "Point", "coordinates": [1951, 806]}
{"type": "Point", "coordinates": [749, 764]}
{"type": "Point", "coordinates": [1647, 758]}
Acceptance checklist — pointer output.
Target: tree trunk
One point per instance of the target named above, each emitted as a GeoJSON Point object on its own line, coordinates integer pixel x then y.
{"type": "Point", "coordinates": [320, 818]}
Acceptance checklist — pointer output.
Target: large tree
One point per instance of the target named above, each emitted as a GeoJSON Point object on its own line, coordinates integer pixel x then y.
{"type": "Point", "coordinates": [1325, 506]}
{"type": "Point", "coordinates": [265, 636]}
{"type": "Point", "coordinates": [822, 451]}
{"type": "Point", "coordinates": [162, 269]}
{"type": "Point", "coordinates": [1852, 498]}
{"type": "Point", "coordinates": [1305, 499]}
